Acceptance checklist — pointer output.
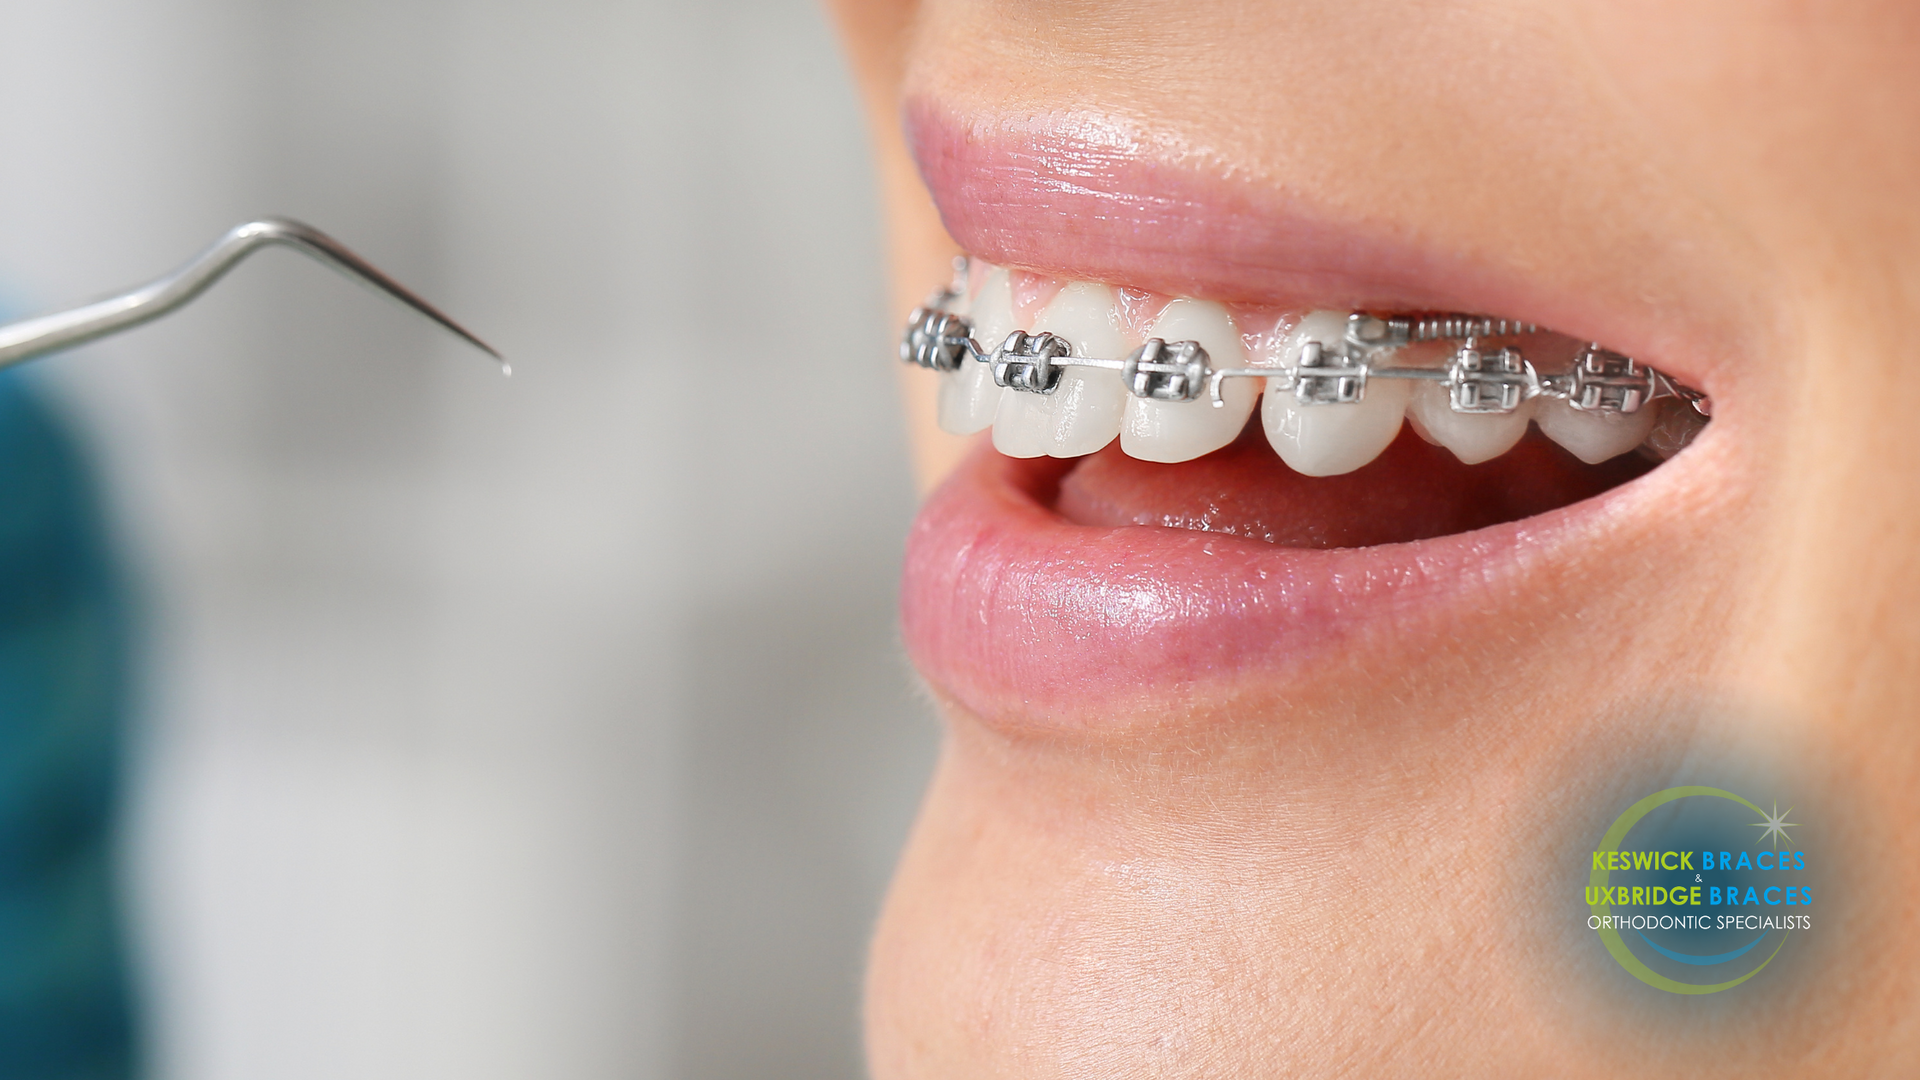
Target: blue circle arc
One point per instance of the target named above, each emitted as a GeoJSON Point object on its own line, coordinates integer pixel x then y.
{"type": "Point", "coordinates": [1702, 960]}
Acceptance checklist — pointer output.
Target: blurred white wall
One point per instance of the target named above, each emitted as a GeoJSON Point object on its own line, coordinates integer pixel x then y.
{"type": "Point", "coordinates": [550, 726]}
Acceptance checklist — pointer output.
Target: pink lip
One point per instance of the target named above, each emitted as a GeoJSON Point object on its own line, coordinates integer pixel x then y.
{"type": "Point", "coordinates": [1028, 621]}
{"type": "Point", "coordinates": [1078, 198]}
{"type": "Point", "coordinates": [1086, 206]}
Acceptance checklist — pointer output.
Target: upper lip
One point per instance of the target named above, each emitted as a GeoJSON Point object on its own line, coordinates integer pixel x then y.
{"type": "Point", "coordinates": [1080, 198]}
{"type": "Point", "coordinates": [1028, 621]}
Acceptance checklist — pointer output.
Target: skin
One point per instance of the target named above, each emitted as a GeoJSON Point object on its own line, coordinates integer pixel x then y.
{"type": "Point", "coordinates": [1161, 891]}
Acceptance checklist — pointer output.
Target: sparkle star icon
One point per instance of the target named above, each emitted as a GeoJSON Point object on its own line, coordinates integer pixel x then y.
{"type": "Point", "coordinates": [1776, 826]}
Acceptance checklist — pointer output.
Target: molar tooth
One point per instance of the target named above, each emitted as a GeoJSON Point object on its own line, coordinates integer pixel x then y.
{"type": "Point", "coordinates": [968, 397]}
{"type": "Point", "coordinates": [1183, 430]}
{"type": "Point", "coordinates": [1473, 437]}
{"type": "Point", "coordinates": [1593, 437]}
{"type": "Point", "coordinates": [1083, 414]}
{"type": "Point", "coordinates": [1674, 429]}
{"type": "Point", "coordinates": [1328, 440]}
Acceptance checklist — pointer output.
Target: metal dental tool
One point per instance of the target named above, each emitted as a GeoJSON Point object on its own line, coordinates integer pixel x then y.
{"type": "Point", "coordinates": [1478, 379]}
{"type": "Point", "coordinates": [28, 338]}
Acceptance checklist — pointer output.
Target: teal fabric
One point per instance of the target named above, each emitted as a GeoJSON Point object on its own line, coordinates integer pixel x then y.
{"type": "Point", "coordinates": [65, 1009]}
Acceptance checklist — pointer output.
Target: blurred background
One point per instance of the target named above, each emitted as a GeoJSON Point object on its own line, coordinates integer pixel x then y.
{"type": "Point", "coordinates": [552, 726]}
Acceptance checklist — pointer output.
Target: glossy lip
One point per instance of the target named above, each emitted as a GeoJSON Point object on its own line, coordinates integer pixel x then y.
{"type": "Point", "coordinates": [1029, 622]}
{"type": "Point", "coordinates": [1081, 198]}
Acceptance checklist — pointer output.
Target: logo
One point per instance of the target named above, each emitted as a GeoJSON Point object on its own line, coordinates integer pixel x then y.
{"type": "Point", "coordinates": [1692, 895]}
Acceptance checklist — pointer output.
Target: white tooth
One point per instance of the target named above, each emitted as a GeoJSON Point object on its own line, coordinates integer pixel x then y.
{"type": "Point", "coordinates": [1083, 413]}
{"type": "Point", "coordinates": [968, 396]}
{"type": "Point", "coordinates": [1183, 430]}
{"type": "Point", "coordinates": [1473, 437]}
{"type": "Point", "coordinates": [1425, 436]}
{"type": "Point", "coordinates": [1591, 436]}
{"type": "Point", "coordinates": [1328, 440]}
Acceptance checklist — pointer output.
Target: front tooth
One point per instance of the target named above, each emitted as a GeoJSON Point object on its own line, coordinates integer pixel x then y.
{"type": "Point", "coordinates": [1083, 414]}
{"type": "Point", "coordinates": [1328, 440]}
{"type": "Point", "coordinates": [1473, 437]}
{"type": "Point", "coordinates": [1593, 437]}
{"type": "Point", "coordinates": [1183, 430]}
{"type": "Point", "coordinates": [968, 396]}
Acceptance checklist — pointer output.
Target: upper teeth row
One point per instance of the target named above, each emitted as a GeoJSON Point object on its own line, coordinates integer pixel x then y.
{"type": "Point", "coordinates": [1334, 359]}
{"type": "Point", "coordinates": [1478, 380]}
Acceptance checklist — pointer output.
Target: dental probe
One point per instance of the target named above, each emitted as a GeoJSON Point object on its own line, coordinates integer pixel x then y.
{"type": "Point", "coordinates": [41, 334]}
{"type": "Point", "coordinates": [1480, 380]}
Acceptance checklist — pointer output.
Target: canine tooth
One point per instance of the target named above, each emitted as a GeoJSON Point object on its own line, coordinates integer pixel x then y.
{"type": "Point", "coordinates": [1083, 414]}
{"type": "Point", "coordinates": [1473, 437]}
{"type": "Point", "coordinates": [1593, 437]}
{"type": "Point", "coordinates": [968, 397]}
{"type": "Point", "coordinates": [1328, 440]}
{"type": "Point", "coordinates": [1183, 430]}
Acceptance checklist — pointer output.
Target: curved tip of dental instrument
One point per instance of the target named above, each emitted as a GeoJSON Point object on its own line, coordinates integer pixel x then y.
{"type": "Point", "coordinates": [28, 338]}
{"type": "Point", "coordinates": [298, 234]}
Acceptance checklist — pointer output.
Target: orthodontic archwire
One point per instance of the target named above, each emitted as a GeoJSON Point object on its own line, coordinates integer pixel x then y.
{"type": "Point", "coordinates": [35, 336]}
{"type": "Point", "coordinates": [1478, 379]}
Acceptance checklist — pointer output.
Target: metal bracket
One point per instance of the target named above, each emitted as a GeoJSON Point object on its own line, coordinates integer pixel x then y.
{"type": "Point", "coordinates": [1605, 381]}
{"type": "Point", "coordinates": [1326, 376]}
{"type": "Point", "coordinates": [935, 339]}
{"type": "Point", "coordinates": [1158, 371]}
{"type": "Point", "coordinates": [1488, 381]}
{"type": "Point", "coordinates": [1026, 362]}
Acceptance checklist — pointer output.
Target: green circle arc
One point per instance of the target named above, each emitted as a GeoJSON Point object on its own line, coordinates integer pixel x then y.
{"type": "Point", "coordinates": [1610, 936]}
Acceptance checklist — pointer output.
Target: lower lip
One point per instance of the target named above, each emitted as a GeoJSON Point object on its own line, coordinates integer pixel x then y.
{"type": "Point", "coordinates": [1030, 622]}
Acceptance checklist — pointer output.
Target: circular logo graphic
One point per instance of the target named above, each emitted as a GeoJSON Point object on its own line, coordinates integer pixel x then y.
{"type": "Point", "coordinates": [1692, 895]}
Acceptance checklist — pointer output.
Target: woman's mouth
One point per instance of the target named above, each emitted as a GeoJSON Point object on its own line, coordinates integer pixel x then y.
{"type": "Point", "coordinates": [1117, 560]}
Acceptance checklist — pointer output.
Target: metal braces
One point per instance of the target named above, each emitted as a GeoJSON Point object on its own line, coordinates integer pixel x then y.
{"type": "Point", "coordinates": [1478, 379]}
